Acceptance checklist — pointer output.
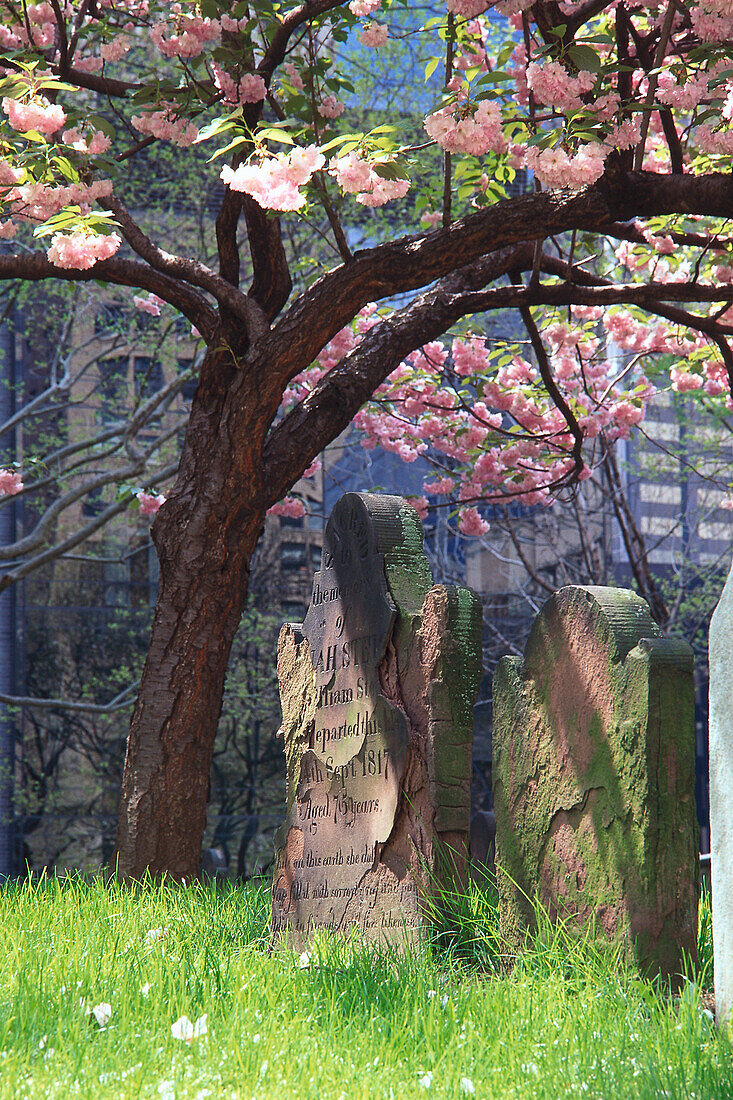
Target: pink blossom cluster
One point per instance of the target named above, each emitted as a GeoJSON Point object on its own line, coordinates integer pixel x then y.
{"type": "Point", "coordinates": [231, 25]}
{"type": "Point", "coordinates": [556, 168]}
{"type": "Point", "coordinates": [39, 201]}
{"type": "Point", "coordinates": [165, 125]}
{"type": "Point", "coordinates": [364, 7]}
{"type": "Point", "coordinates": [93, 145]}
{"type": "Point", "coordinates": [116, 48]}
{"type": "Point", "coordinates": [682, 97]}
{"type": "Point", "coordinates": [457, 129]}
{"type": "Point", "coordinates": [150, 305]}
{"type": "Point", "coordinates": [553, 86]}
{"type": "Point", "coordinates": [288, 506]}
{"type": "Point", "coordinates": [150, 503]}
{"type": "Point", "coordinates": [189, 36]}
{"type": "Point", "coordinates": [716, 141]}
{"type": "Point", "coordinates": [712, 20]}
{"type": "Point", "coordinates": [374, 35]}
{"type": "Point", "coordinates": [471, 523]}
{"type": "Point", "coordinates": [275, 182]}
{"type": "Point", "coordinates": [248, 89]}
{"type": "Point", "coordinates": [81, 250]}
{"type": "Point", "coordinates": [467, 9]}
{"type": "Point", "coordinates": [330, 107]}
{"type": "Point", "coordinates": [294, 77]}
{"type": "Point", "coordinates": [37, 114]}
{"type": "Point", "coordinates": [360, 177]}
{"type": "Point", "coordinates": [11, 483]}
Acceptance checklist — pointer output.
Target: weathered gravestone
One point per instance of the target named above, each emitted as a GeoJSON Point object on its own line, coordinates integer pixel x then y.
{"type": "Point", "coordinates": [594, 778]}
{"type": "Point", "coordinates": [721, 799]}
{"type": "Point", "coordinates": [377, 690]}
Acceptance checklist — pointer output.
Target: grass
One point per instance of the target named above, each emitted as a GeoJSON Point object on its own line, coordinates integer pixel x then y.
{"type": "Point", "coordinates": [565, 1021]}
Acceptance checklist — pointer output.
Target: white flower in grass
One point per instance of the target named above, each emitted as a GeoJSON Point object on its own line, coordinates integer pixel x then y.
{"type": "Point", "coordinates": [167, 1090]}
{"type": "Point", "coordinates": [145, 989]}
{"type": "Point", "coordinates": [263, 1069]}
{"type": "Point", "coordinates": [426, 1081]}
{"type": "Point", "coordinates": [432, 993]}
{"type": "Point", "coordinates": [444, 1000]}
{"type": "Point", "coordinates": [304, 961]}
{"type": "Point", "coordinates": [155, 935]}
{"type": "Point", "coordinates": [42, 1042]}
{"type": "Point", "coordinates": [466, 1086]}
{"type": "Point", "coordinates": [255, 1039]}
{"type": "Point", "coordinates": [101, 1014]}
{"type": "Point", "coordinates": [184, 1030]}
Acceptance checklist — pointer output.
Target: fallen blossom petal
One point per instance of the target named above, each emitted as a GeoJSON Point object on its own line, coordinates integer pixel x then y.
{"type": "Point", "coordinates": [102, 1013]}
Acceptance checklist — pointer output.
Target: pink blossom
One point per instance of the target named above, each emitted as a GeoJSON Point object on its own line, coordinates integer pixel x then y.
{"type": "Point", "coordinates": [249, 89]}
{"type": "Point", "coordinates": [150, 305]}
{"type": "Point", "coordinates": [458, 130]}
{"type": "Point", "coordinates": [431, 218]}
{"type": "Point", "coordinates": [11, 483]}
{"type": "Point", "coordinates": [331, 107]}
{"type": "Point", "coordinates": [190, 36]}
{"type": "Point", "coordinates": [364, 7]}
{"type": "Point", "coordinates": [99, 142]}
{"type": "Point", "coordinates": [81, 250]}
{"type": "Point", "coordinates": [727, 503]}
{"type": "Point", "coordinates": [440, 487]}
{"type": "Point", "coordinates": [275, 182]}
{"type": "Point", "coordinates": [40, 115]}
{"type": "Point", "coordinates": [116, 48]}
{"type": "Point", "coordinates": [684, 381]}
{"type": "Point", "coordinates": [420, 504]}
{"type": "Point", "coordinates": [553, 85]}
{"type": "Point", "coordinates": [556, 168]}
{"type": "Point", "coordinates": [471, 523]}
{"type": "Point", "coordinates": [288, 506]}
{"type": "Point", "coordinates": [149, 504]}
{"type": "Point", "coordinates": [358, 177]}
{"type": "Point", "coordinates": [165, 125]}
{"type": "Point", "coordinates": [294, 77]}
{"type": "Point", "coordinates": [374, 35]}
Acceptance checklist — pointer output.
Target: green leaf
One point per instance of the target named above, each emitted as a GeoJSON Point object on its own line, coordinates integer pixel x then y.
{"type": "Point", "coordinates": [584, 57]}
{"type": "Point", "coordinates": [431, 67]}
{"type": "Point", "coordinates": [272, 133]}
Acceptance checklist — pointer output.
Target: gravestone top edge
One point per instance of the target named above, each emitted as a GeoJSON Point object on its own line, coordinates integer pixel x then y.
{"type": "Point", "coordinates": [626, 616]}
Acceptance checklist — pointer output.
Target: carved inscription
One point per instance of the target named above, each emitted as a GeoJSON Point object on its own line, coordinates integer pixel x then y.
{"type": "Point", "coordinates": [347, 782]}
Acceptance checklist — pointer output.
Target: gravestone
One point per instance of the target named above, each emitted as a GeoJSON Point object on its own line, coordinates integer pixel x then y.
{"type": "Point", "coordinates": [594, 778]}
{"type": "Point", "coordinates": [721, 798]}
{"type": "Point", "coordinates": [377, 690]}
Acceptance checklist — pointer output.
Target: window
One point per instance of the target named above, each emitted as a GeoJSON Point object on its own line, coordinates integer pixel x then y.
{"type": "Point", "coordinates": [108, 319]}
{"type": "Point", "coordinates": [315, 556]}
{"type": "Point", "coordinates": [189, 387]}
{"type": "Point", "coordinates": [292, 555]}
{"type": "Point", "coordinates": [148, 377]}
{"type": "Point", "coordinates": [113, 389]}
{"type": "Point", "coordinates": [291, 521]}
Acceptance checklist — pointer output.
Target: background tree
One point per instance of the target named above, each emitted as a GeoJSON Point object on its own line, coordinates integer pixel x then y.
{"type": "Point", "coordinates": [613, 106]}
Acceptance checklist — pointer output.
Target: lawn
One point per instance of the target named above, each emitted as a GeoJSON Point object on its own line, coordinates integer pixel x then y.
{"type": "Point", "coordinates": [449, 1020]}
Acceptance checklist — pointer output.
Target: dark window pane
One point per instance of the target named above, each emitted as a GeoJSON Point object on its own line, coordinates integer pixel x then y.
{"type": "Point", "coordinates": [148, 376]}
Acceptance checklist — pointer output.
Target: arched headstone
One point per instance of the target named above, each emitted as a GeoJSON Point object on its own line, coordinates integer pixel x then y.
{"type": "Point", "coordinates": [594, 778]}
{"type": "Point", "coordinates": [377, 690]}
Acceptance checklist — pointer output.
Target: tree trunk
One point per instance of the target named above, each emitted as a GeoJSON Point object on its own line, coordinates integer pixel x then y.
{"type": "Point", "coordinates": [205, 535]}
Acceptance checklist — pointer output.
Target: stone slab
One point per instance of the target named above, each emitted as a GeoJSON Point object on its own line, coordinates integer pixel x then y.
{"type": "Point", "coordinates": [377, 689]}
{"type": "Point", "coordinates": [594, 778]}
{"type": "Point", "coordinates": [720, 656]}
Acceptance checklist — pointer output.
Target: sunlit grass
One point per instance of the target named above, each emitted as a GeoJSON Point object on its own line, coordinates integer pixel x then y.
{"type": "Point", "coordinates": [451, 1017]}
